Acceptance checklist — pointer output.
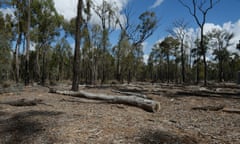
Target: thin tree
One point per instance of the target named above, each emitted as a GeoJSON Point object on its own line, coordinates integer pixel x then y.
{"type": "Point", "coordinates": [76, 61]}
{"type": "Point", "coordinates": [106, 13]}
{"type": "Point", "coordinates": [200, 7]}
{"type": "Point", "coordinates": [220, 41]}
{"type": "Point", "coordinates": [27, 73]}
{"type": "Point", "coordinates": [179, 31]}
{"type": "Point", "coordinates": [238, 45]}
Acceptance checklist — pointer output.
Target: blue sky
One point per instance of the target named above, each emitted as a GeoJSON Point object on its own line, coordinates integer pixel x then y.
{"type": "Point", "coordinates": [170, 10]}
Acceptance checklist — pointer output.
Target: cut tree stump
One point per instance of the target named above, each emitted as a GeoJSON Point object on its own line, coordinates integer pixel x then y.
{"type": "Point", "coordinates": [146, 104]}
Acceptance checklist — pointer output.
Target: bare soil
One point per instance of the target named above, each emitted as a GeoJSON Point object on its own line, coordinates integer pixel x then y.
{"type": "Point", "coordinates": [52, 118]}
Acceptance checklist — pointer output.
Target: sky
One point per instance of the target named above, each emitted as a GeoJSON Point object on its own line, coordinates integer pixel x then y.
{"type": "Point", "coordinates": [224, 15]}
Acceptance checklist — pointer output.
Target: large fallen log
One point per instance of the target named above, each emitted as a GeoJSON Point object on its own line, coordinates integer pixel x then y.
{"type": "Point", "coordinates": [146, 104]}
{"type": "Point", "coordinates": [131, 94]}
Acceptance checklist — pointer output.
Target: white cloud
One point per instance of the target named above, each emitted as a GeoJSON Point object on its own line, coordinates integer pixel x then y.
{"type": "Point", "coordinates": [145, 58]}
{"type": "Point", "coordinates": [228, 26]}
{"type": "Point", "coordinates": [145, 46]}
{"type": "Point", "coordinates": [210, 26]}
{"type": "Point", "coordinates": [69, 8]}
{"type": "Point", "coordinates": [6, 11]}
{"type": "Point", "coordinates": [157, 3]}
{"type": "Point", "coordinates": [66, 8]}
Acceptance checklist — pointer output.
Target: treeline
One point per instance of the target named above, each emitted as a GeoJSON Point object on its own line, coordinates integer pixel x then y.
{"type": "Point", "coordinates": [34, 47]}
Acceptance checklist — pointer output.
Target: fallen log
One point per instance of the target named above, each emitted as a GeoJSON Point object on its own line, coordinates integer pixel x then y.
{"type": "Point", "coordinates": [131, 94]}
{"type": "Point", "coordinates": [209, 108]}
{"type": "Point", "coordinates": [146, 104]}
{"type": "Point", "coordinates": [231, 110]}
{"type": "Point", "coordinates": [208, 94]}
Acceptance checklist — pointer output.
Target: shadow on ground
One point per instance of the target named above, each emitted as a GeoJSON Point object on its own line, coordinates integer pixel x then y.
{"type": "Point", "coordinates": [164, 137]}
{"type": "Point", "coordinates": [21, 128]}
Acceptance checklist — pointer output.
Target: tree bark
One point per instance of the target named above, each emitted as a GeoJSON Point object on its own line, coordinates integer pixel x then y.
{"type": "Point", "coordinates": [146, 104]}
{"type": "Point", "coordinates": [27, 73]}
{"type": "Point", "coordinates": [76, 61]}
{"type": "Point", "coordinates": [183, 62]}
{"type": "Point", "coordinates": [16, 57]}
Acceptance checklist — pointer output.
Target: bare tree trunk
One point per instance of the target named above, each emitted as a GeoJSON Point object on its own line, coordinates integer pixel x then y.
{"type": "Point", "coordinates": [43, 67]}
{"type": "Point", "coordinates": [183, 62]}
{"type": "Point", "coordinates": [198, 69]}
{"type": "Point", "coordinates": [76, 61]}
{"type": "Point", "coordinates": [204, 49]}
{"type": "Point", "coordinates": [27, 73]}
{"type": "Point", "coordinates": [16, 58]}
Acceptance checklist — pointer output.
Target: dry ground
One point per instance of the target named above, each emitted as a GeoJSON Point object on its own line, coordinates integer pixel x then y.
{"type": "Point", "coordinates": [64, 119]}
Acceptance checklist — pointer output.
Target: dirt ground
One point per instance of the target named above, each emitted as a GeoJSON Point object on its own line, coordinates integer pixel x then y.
{"type": "Point", "coordinates": [65, 119]}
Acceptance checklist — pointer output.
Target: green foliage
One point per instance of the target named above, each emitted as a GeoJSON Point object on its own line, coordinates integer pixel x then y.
{"type": "Point", "coordinates": [60, 63]}
{"type": "Point", "coordinates": [5, 43]}
{"type": "Point", "coordinates": [146, 27]}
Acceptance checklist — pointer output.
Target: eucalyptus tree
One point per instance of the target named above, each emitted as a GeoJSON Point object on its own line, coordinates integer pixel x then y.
{"type": "Point", "coordinates": [107, 14]}
{"type": "Point", "coordinates": [76, 60]}
{"type": "Point", "coordinates": [148, 22]}
{"type": "Point", "coordinates": [79, 23]}
{"type": "Point", "coordinates": [199, 10]}
{"type": "Point", "coordinates": [5, 46]}
{"type": "Point", "coordinates": [23, 18]}
{"type": "Point", "coordinates": [220, 41]}
{"type": "Point", "coordinates": [155, 63]}
{"type": "Point", "coordinates": [199, 53]}
{"type": "Point", "coordinates": [45, 25]}
{"type": "Point", "coordinates": [123, 45]}
{"type": "Point", "coordinates": [23, 14]}
{"type": "Point", "coordinates": [234, 64]}
{"type": "Point", "coordinates": [27, 72]}
{"type": "Point", "coordinates": [167, 49]}
{"type": "Point", "coordinates": [60, 64]}
{"type": "Point", "coordinates": [179, 31]}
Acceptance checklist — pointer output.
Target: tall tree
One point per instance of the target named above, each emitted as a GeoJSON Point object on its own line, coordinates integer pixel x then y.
{"type": "Point", "coordinates": [23, 19]}
{"type": "Point", "coordinates": [76, 61]}
{"type": "Point", "coordinates": [148, 22]}
{"type": "Point", "coordinates": [195, 8]}
{"type": "Point", "coordinates": [45, 27]}
{"type": "Point", "coordinates": [220, 41]}
{"type": "Point", "coordinates": [5, 44]}
{"type": "Point", "coordinates": [167, 46]}
{"type": "Point", "coordinates": [179, 31]}
{"type": "Point", "coordinates": [123, 44]}
{"type": "Point", "coordinates": [107, 15]}
{"type": "Point", "coordinates": [27, 73]}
